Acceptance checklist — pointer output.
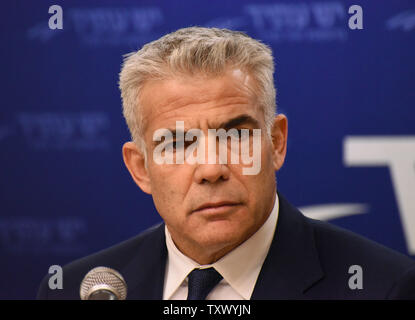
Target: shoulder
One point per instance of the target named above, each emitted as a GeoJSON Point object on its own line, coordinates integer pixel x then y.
{"type": "Point", "coordinates": [351, 246]}
{"type": "Point", "coordinates": [383, 270]}
{"type": "Point", "coordinates": [115, 257]}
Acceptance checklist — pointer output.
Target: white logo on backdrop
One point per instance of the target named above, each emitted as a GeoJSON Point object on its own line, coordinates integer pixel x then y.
{"type": "Point", "coordinates": [404, 20]}
{"type": "Point", "coordinates": [396, 153]}
{"type": "Point", "coordinates": [63, 235]}
{"type": "Point", "coordinates": [63, 131]}
{"type": "Point", "coordinates": [275, 22]}
{"type": "Point", "coordinates": [106, 26]}
{"type": "Point", "coordinates": [291, 22]}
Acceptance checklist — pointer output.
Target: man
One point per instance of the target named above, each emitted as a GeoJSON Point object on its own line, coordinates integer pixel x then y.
{"type": "Point", "coordinates": [227, 232]}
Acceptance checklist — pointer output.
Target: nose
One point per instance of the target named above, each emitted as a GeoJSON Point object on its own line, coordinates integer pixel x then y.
{"type": "Point", "coordinates": [211, 173]}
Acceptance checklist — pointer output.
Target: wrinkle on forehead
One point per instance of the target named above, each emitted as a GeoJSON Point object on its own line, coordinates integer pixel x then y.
{"type": "Point", "coordinates": [180, 95]}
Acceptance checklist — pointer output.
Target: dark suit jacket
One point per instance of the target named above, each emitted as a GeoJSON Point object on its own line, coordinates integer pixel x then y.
{"type": "Point", "coordinates": [308, 259]}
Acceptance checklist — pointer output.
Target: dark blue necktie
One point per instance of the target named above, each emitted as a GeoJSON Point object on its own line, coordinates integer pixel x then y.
{"type": "Point", "coordinates": [201, 282]}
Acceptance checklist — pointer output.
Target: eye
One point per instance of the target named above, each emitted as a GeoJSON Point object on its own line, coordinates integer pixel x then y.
{"type": "Point", "coordinates": [176, 144]}
{"type": "Point", "coordinates": [234, 133]}
{"type": "Point", "coordinates": [244, 133]}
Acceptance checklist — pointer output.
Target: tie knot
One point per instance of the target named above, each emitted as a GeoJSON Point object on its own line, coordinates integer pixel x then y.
{"type": "Point", "coordinates": [201, 282]}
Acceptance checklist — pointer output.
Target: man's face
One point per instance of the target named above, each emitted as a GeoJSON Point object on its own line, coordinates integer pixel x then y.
{"type": "Point", "coordinates": [236, 204]}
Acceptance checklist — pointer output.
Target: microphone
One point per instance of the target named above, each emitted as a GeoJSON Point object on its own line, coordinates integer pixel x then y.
{"type": "Point", "coordinates": [102, 283]}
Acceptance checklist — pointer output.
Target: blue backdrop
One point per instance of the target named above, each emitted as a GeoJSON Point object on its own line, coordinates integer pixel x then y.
{"type": "Point", "coordinates": [349, 95]}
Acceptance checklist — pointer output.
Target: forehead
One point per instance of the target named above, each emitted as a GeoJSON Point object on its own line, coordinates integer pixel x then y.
{"type": "Point", "coordinates": [198, 98]}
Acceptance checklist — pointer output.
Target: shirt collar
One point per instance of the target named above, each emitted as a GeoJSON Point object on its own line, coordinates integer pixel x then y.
{"type": "Point", "coordinates": [240, 276]}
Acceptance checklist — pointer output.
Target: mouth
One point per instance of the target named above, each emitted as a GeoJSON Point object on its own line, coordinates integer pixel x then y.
{"type": "Point", "coordinates": [221, 207]}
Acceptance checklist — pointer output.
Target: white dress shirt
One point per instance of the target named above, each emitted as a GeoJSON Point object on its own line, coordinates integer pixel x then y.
{"type": "Point", "coordinates": [239, 268]}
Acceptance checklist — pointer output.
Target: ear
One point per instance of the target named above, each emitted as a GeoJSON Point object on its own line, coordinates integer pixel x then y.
{"type": "Point", "coordinates": [279, 133]}
{"type": "Point", "coordinates": [135, 163]}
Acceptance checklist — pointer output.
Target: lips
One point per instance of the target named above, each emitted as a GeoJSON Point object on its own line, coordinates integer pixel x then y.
{"type": "Point", "coordinates": [216, 206]}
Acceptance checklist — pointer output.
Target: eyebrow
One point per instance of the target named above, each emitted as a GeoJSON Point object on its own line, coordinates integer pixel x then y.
{"type": "Point", "coordinates": [242, 119]}
{"type": "Point", "coordinates": [172, 131]}
{"type": "Point", "coordinates": [239, 120]}
{"type": "Point", "coordinates": [164, 133]}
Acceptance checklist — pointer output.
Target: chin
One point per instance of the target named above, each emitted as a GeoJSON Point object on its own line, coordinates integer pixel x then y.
{"type": "Point", "coordinates": [220, 235]}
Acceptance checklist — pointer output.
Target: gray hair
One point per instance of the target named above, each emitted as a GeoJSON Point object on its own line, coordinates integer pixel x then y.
{"type": "Point", "coordinates": [195, 50]}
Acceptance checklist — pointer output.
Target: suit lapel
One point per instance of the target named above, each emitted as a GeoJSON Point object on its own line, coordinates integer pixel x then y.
{"type": "Point", "coordinates": [144, 274]}
{"type": "Point", "coordinates": [292, 264]}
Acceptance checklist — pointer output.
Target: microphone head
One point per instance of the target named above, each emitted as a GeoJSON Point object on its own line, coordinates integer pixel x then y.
{"type": "Point", "coordinates": [103, 279]}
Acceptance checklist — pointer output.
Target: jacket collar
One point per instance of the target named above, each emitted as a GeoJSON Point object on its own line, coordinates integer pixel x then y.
{"type": "Point", "coordinates": [292, 265]}
{"type": "Point", "coordinates": [144, 275]}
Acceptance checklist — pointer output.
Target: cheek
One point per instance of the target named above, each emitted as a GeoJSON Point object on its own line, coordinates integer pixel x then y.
{"type": "Point", "coordinates": [168, 184]}
{"type": "Point", "coordinates": [262, 184]}
{"type": "Point", "coordinates": [267, 156]}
